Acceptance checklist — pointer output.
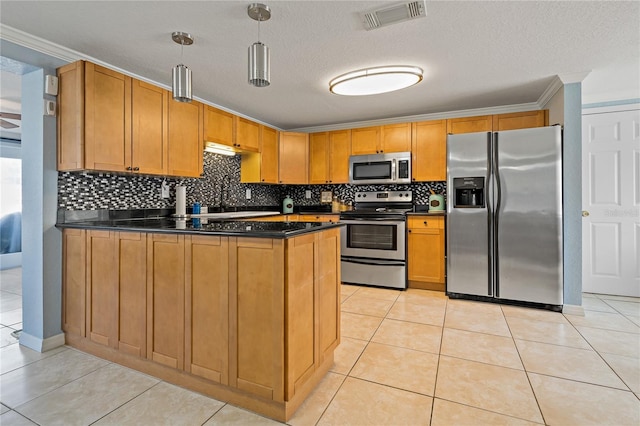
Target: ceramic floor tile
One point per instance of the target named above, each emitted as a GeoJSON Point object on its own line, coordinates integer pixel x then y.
{"type": "Point", "coordinates": [89, 398]}
{"type": "Point", "coordinates": [16, 356]}
{"type": "Point", "coordinates": [3, 408]}
{"type": "Point", "coordinates": [429, 312]}
{"type": "Point", "coordinates": [346, 354]}
{"type": "Point", "coordinates": [6, 338]}
{"type": "Point", "coordinates": [312, 408]}
{"type": "Point", "coordinates": [621, 298]}
{"type": "Point", "coordinates": [474, 307]}
{"type": "Point", "coordinates": [612, 342]}
{"type": "Point", "coordinates": [410, 335]}
{"type": "Point", "coordinates": [12, 418]}
{"type": "Point", "coordinates": [397, 367]}
{"type": "Point", "coordinates": [447, 413]}
{"type": "Point", "coordinates": [546, 332]}
{"type": "Point", "coordinates": [498, 389]}
{"type": "Point", "coordinates": [358, 304]}
{"type": "Point", "coordinates": [9, 301]}
{"type": "Point", "coordinates": [358, 326]}
{"type": "Point", "coordinates": [343, 298]}
{"type": "Point", "coordinates": [348, 290]}
{"type": "Point", "coordinates": [633, 319]}
{"type": "Point", "coordinates": [413, 295]}
{"type": "Point", "coordinates": [606, 320]}
{"type": "Point", "coordinates": [595, 304]}
{"type": "Point", "coordinates": [364, 403]}
{"type": "Point", "coordinates": [478, 320]}
{"type": "Point", "coordinates": [627, 368]}
{"type": "Point", "coordinates": [164, 404]}
{"type": "Point", "coordinates": [11, 283]}
{"type": "Point", "coordinates": [590, 404]}
{"type": "Point", "coordinates": [380, 293]}
{"type": "Point", "coordinates": [582, 365]}
{"type": "Point", "coordinates": [625, 307]}
{"type": "Point", "coordinates": [533, 314]}
{"type": "Point", "coordinates": [230, 415]}
{"type": "Point", "coordinates": [11, 317]}
{"type": "Point", "coordinates": [38, 378]}
{"type": "Point", "coordinates": [480, 347]}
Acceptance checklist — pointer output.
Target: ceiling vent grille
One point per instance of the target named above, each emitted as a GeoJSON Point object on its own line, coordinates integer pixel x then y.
{"type": "Point", "coordinates": [394, 14]}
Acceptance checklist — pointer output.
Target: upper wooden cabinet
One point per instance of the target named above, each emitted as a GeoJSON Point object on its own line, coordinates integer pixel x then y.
{"type": "Point", "coordinates": [470, 124]}
{"type": "Point", "coordinates": [395, 138]}
{"type": "Point", "coordinates": [219, 126]}
{"type": "Point", "coordinates": [293, 158]}
{"type": "Point", "coordinates": [110, 122]}
{"type": "Point", "coordinates": [247, 135]}
{"type": "Point", "coordinates": [521, 120]}
{"type": "Point", "coordinates": [185, 147]}
{"type": "Point", "coordinates": [429, 151]}
{"type": "Point", "coordinates": [365, 140]}
{"type": "Point", "coordinates": [329, 157]}
{"type": "Point", "coordinates": [261, 167]}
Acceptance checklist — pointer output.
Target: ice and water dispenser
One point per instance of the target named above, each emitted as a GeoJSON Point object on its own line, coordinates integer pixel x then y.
{"type": "Point", "coordinates": [468, 192]}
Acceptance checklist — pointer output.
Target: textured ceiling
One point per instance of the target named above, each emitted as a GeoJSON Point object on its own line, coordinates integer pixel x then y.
{"type": "Point", "coordinates": [475, 54]}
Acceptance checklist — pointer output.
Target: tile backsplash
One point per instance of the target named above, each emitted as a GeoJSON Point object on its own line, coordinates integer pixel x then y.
{"type": "Point", "coordinates": [93, 191]}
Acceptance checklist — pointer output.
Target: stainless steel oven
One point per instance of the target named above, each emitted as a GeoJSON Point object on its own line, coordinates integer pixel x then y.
{"type": "Point", "coordinates": [373, 239]}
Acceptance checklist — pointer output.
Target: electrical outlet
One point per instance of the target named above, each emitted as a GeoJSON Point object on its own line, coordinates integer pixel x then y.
{"type": "Point", "coordinates": [325, 196]}
{"type": "Point", "coordinates": [164, 190]}
{"type": "Point", "coordinates": [248, 194]}
{"type": "Point", "coordinates": [307, 194]}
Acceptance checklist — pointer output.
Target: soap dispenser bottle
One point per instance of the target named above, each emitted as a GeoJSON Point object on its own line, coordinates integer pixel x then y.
{"type": "Point", "coordinates": [287, 205]}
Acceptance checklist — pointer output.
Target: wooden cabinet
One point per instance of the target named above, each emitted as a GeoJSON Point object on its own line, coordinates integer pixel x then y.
{"type": "Point", "coordinates": [262, 167]}
{"type": "Point", "coordinates": [149, 129]}
{"type": "Point", "coordinates": [470, 124]}
{"type": "Point", "coordinates": [207, 307]}
{"type": "Point", "coordinates": [319, 158]}
{"type": "Point", "coordinates": [395, 138]}
{"type": "Point", "coordinates": [165, 299]}
{"type": "Point", "coordinates": [74, 285]}
{"type": "Point", "coordinates": [426, 252]}
{"type": "Point", "coordinates": [521, 120]}
{"type": "Point", "coordinates": [293, 158]}
{"type": "Point", "coordinates": [70, 149]}
{"type": "Point", "coordinates": [219, 126]}
{"type": "Point", "coordinates": [185, 147]}
{"type": "Point", "coordinates": [318, 218]}
{"type": "Point", "coordinates": [429, 151]}
{"type": "Point", "coordinates": [102, 288]}
{"type": "Point", "coordinates": [247, 135]}
{"type": "Point", "coordinates": [327, 293]}
{"type": "Point", "coordinates": [365, 140]}
{"type": "Point", "coordinates": [329, 157]}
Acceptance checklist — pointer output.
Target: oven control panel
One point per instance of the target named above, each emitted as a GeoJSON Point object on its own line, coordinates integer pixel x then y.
{"type": "Point", "coordinates": [384, 196]}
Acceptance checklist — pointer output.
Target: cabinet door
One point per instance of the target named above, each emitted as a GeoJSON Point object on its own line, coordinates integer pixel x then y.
{"type": "Point", "coordinates": [339, 152]}
{"type": "Point", "coordinates": [470, 124]}
{"type": "Point", "coordinates": [269, 155]}
{"type": "Point", "coordinates": [219, 126]}
{"type": "Point", "coordinates": [165, 299]}
{"type": "Point", "coordinates": [70, 155]}
{"type": "Point", "coordinates": [102, 297]}
{"type": "Point", "coordinates": [520, 120]}
{"type": "Point", "coordinates": [256, 315]}
{"type": "Point", "coordinates": [319, 158]}
{"type": "Point", "coordinates": [247, 135]}
{"type": "Point", "coordinates": [107, 119]}
{"type": "Point", "coordinates": [131, 252]}
{"type": "Point", "coordinates": [185, 139]}
{"type": "Point", "coordinates": [74, 281]}
{"type": "Point", "coordinates": [426, 257]}
{"type": "Point", "coordinates": [207, 308]}
{"type": "Point", "coordinates": [429, 151]}
{"type": "Point", "coordinates": [327, 280]}
{"type": "Point", "coordinates": [365, 140]}
{"type": "Point", "coordinates": [396, 138]}
{"type": "Point", "coordinates": [294, 159]}
{"type": "Point", "coordinates": [149, 126]}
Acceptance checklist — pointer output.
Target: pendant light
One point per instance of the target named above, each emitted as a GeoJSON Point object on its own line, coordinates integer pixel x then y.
{"type": "Point", "coordinates": [181, 75]}
{"type": "Point", "coordinates": [259, 66]}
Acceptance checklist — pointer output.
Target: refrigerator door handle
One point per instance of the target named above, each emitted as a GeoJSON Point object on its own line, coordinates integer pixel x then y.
{"type": "Point", "coordinates": [496, 220]}
{"type": "Point", "coordinates": [489, 203]}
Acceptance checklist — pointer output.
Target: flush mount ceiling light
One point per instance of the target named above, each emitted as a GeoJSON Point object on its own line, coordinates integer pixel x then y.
{"type": "Point", "coordinates": [372, 81]}
{"type": "Point", "coordinates": [259, 66]}
{"type": "Point", "coordinates": [181, 75]}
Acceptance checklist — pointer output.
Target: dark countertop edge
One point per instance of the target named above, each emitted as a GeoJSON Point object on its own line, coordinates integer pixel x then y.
{"type": "Point", "coordinates": [245, 234]}
{"type": "Point", "coordinates": [431, 213]}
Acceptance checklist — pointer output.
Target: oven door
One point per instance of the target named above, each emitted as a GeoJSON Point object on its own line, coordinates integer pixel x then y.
{"type": "Point", "coordinates": [373, 239]}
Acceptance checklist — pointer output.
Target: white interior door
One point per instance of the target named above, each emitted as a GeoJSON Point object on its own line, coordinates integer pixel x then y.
{"type": "Point", "coordinates": [611, 201]}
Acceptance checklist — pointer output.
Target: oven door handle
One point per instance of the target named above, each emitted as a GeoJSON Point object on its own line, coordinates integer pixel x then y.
{"type": "Point", "coordinates": [370, 219]}
{"type": "Point", "coordinates": [374, 262]}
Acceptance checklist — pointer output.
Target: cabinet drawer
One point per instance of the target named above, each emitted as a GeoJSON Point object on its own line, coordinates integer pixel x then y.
{"type": "Point", "coordinates": [425, 222]}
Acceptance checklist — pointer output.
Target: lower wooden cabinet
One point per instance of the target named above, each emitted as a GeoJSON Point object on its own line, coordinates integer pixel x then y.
{"type": "Point", "coordinates": [426, 252]}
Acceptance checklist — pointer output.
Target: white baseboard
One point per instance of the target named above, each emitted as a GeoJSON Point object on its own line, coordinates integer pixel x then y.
{"type": "Point", "coordinates": [573, 310]}
{"type": "Point", "coordinates": [41, 345]}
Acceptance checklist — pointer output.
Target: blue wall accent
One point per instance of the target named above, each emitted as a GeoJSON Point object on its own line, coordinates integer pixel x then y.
{"type": "Point", "coordinates": [572, 193]}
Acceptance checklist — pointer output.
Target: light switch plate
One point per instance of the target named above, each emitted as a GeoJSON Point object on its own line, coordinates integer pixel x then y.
{"type": "Point", "coordinates": [248, 194]}
{"type": "Point", "coordinates": [51, 85]}
{"type": "Point", "coordinates": [325, 196]}
{"type": "Point", "coordinates": [307, 194]}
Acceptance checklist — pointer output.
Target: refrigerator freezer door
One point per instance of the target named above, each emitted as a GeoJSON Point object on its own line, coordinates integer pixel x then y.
{"type": "Point", "coordinates": [528, 216]}
{"type": "Point", "coordinates": [468, 257]}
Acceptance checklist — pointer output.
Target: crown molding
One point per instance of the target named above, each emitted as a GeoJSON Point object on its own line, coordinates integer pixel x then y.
{"type": "Point", "coordinates": [574, 77]}
{"type": "Point", "coordinates": [550, 91]}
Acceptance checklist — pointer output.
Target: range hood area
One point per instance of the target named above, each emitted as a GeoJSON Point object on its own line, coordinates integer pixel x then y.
{"type": "Point", "coordinates": [218, 148]}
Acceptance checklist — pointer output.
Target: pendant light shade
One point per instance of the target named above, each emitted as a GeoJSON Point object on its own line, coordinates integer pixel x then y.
{"type": "Point", "coordinates": [181, 75]}
{"type": "Point", "coordinates": [259, 67]}
{"type": "Point", "coordinates": [259, 61]}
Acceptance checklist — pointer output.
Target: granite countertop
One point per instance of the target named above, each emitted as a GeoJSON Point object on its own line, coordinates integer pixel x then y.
{"type": "Point", "coordinates": [197, 226]}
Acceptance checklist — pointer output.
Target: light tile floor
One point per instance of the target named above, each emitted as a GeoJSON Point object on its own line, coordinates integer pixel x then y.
{"type": "Point", "coordinates": [406, 358]}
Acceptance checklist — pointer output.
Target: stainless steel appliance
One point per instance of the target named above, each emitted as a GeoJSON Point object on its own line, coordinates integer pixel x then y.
{"type": "Point", "coordinates": [380, 168]}
{"type": "Point", "coordinates": [504, 216]}
{"type": "Point", "coordinates": [373, 239]}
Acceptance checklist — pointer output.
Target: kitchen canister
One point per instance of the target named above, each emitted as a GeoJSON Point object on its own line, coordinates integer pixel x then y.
{"type": "Point", "coordinates": [181, 201]}
{"type": "Point", "coordinates": [436, 202]}
{"type": "Point", "coordinates": [287, 205]}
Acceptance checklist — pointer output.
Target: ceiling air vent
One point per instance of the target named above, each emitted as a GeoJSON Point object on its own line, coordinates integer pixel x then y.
{"type": "Point", "coordinates": [394, 14]}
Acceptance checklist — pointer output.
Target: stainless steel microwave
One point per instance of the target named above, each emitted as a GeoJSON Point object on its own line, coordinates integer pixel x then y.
{"type": "Point", "coordinates": [380, 168]}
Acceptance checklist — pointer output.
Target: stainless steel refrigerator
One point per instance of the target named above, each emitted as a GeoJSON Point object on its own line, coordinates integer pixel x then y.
{"type": "Point", "coordinates": [504, 216]}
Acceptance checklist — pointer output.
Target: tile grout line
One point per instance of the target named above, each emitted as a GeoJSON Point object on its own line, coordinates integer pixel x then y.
{"type": "Point", "coordinates": [435, 383]}
{"type": "Point", "coordinates": [126, 402]}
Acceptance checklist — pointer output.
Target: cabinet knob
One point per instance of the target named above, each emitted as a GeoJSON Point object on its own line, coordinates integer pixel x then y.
{"type": "Point", "coordinates": [425, 222]}
{"type": "Point", "coordinates": [136, 169]}
{"type": "Point", "coordinates": [381, 151]}
{"type": "Point", "coordinates": [129, 168]}
{"type": "Point", "coordinates": [409, 230]}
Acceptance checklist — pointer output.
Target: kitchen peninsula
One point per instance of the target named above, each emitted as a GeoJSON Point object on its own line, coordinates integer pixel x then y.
{"type": "Point", "coordinates": [244, 311]}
